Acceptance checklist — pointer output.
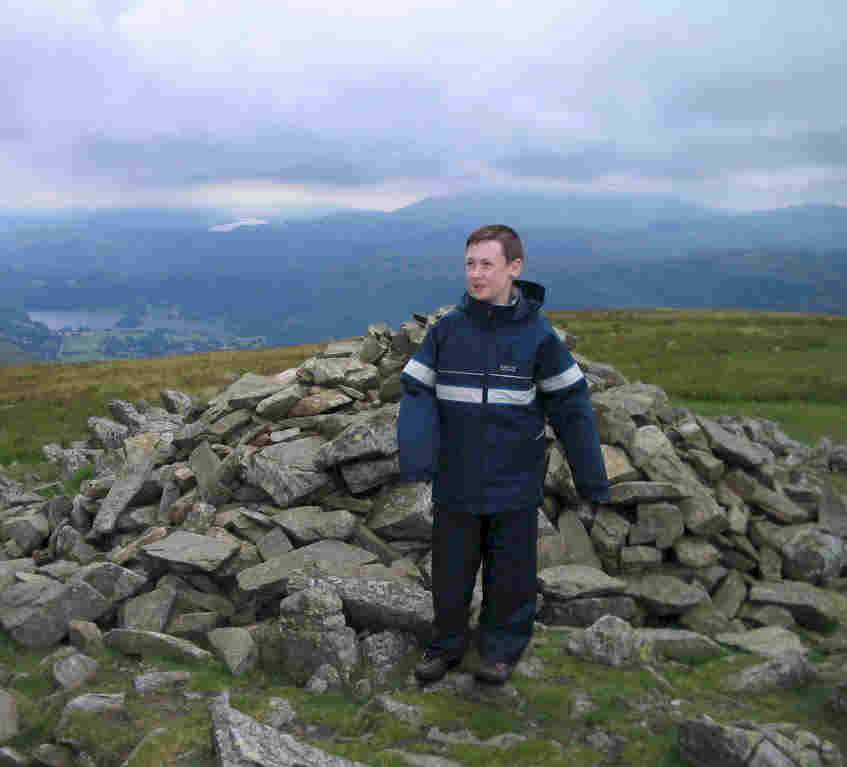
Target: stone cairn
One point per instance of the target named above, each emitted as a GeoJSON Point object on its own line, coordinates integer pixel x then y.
{"type": "Point", "coordinates": [268, 526]}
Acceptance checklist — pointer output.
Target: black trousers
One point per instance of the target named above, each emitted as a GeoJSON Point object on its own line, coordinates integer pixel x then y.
{"type": "Point", "coordinates": [506, 546]}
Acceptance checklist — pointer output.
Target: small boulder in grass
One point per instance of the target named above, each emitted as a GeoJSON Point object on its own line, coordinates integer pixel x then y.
{"type": "Point", "coordinates": [235, 647]}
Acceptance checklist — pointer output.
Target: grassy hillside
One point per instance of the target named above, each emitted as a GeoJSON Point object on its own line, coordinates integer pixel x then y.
{"type": "Point", "coordinates": [788, 367]}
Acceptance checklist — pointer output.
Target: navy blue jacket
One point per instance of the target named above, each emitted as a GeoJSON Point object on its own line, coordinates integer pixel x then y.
{"type": "Point", "coordinates": [476, 394]}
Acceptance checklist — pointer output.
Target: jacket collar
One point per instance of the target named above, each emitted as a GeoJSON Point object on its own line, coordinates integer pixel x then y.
{"type": "Point", "coordinates": [530, 297]}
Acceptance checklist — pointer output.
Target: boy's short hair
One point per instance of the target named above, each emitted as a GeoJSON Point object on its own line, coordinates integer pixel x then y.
{"type": "Point", "coordinates": [505, 235]}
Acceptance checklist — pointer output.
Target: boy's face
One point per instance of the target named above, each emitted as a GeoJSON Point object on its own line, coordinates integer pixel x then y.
{"type": "Point", "coordinates": [489, 277]}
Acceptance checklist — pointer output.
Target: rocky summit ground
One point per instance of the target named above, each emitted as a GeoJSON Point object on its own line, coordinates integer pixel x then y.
{"type": "Point", "coordinates": [243, 582]}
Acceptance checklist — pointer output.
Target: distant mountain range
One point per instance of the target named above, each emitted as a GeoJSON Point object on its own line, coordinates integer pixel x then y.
{"type": "Point", "coordinates": [306, 279]}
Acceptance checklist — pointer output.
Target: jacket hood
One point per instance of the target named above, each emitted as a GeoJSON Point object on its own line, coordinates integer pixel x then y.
{"type": "Point", "coordinates": [530, 298]}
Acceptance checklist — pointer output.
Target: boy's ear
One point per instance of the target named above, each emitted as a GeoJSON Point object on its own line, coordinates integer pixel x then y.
{"type": "Point", "coordinates": [516, 267]}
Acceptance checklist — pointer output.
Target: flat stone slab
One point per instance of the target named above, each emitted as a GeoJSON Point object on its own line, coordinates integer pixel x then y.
{"type": "Point", "coordinates": [675, 644]}
{"type": "Point", "coordinates": [770, 641]}
{"type": "Point", "coordinates": [573, 581]}
{"type": "Point", "coordinates": [243, 742]}
{"type": "Point", "coordinates": [274, 573]}
{"type": "Point", "coordinates": [811, 607]}
{"type": "Point", "coordinates": [199, 552]}
{"type": "Point", "coordinates": [129, 481]}
{"type": "Point", "coordinates": [667, 595]}
{"type": "Point", "coordinates": [131, 642]}
{"type": "Point", "coordinates": [625, 493]}
{"type": "Point", "coordinates": [734, 449]}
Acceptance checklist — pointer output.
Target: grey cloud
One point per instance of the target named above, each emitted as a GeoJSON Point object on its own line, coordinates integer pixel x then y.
{"type": "Point", "coordinates": [290, 157]}
{"type": "Point", "coordinates": [689, 160]}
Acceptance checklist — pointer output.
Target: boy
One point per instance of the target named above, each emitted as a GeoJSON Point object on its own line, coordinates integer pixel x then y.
{"type": "Point", "coordinates": [472, 420]}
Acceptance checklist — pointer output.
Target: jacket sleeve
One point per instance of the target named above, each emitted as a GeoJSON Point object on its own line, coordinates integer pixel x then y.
{"type": "Point", "coordinates": [564, 394]}
{"type": "Point", "coordinates": [418, 425]}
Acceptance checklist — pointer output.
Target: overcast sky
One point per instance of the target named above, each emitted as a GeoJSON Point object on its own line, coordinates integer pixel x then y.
{"type": "Point", "coordinates": [257, 104]}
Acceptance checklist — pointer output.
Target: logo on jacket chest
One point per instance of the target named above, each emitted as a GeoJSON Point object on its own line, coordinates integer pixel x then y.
{"type": "Point", "coordinates": [508, 368]}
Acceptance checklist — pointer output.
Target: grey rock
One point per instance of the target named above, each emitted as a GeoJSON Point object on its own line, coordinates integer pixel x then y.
{"type": "Point", "coordinates": [207, 469]}
{"type": "Point", "coordinates": [321, 402]}
{"type": "Point", "coordinates": [361, 476]}
{"type": "Point", "coordinates": [775, 505]}
{"type": "Point", "coordinates": [614, 423]}
{"type": "Point", "coordinates": [229, 427]}
{"type": "Point", "coordinates": [37, 614]}
{"type": "Point", "coordinates": [705, 618]}
{"type": "Point", "coordinates": [240, 741]}
{"type": "Point", "coordinates": [176, 402]}
{"type": "Point", "coordinates": [11, 757]}
{"type": "Point", "coordinates": [236, 648]}
{"type": "Point", "coordinates": [12, 566]}
{"type": "Point", "coordinates": [148, 612]}
{"type": "Point", "coordinates": [403, 511]}
{"type": "Point", "coordinates": [282, 713]}
{"type": "Point", "coordinates": [131, 642]}
{"type": "Point", "coordinates": [609, 531]}
{"type": "Point", "coordinates": [273, 543]}
{"type": "Point", "coordinates": [197, 552]}
{"type": "Point", "coordinates": [383, 605]}
{"type": "Point", "coordinates": [324, 679]}
{"type": "Point", "coordinates": [791, 669]}
{"type": "Point", "coordinates": [28, 531]}
{"type": "Point", "coordinates": [273, 575]}
{"type": "Point", "coordinates": [52, 755]}
{"type": "Point", "coordinates": [156, 681]}
{"type": "Point", "coordinates": [677, 644]}
{"type": "Point", "coordinates": [736, 450]}
{"type": "Point", "coordinates": [666, 595]}
{"type": "Point", "coordinates": [559, 479]}
{"type": "Point", "coordinates": [9, 725]}
{"type": "Point", "coordinates": [287, 471]}
{"type": "Point", "coordinates": [660, 523]}
{"type": "Point", "coordinates": [108, 434]}
{"type": "Point", "coordinates": [695, 552]}
{"type": "Point", "coordinates": [705, 743]}
{"type": "Point", "coordinates": [97, 703]}
{"type": "Point", "coordinates": [128, 482]}
{"type": "Point", "coordinates": [643, 403]}
{"type": "Point", "coordinates": [74, 671]}
{"type": "Point", "coordinates": [618, 466]}
{"type": "Point", "coordinates": [610, 641]}
{"type": "Point", "coordinates": [811, 607]}
{"type": "Point", "coordinates": [382, 653]}
{"type": "Point", "coordinates": [812, 555]}
{"type": "Point", "coordinates": [832, 512]}
{"type": "Point", "coordinates": [193, 626]}
{"type": "Point", "coordinates": [586, 611]}
{"type": "Point", "coordinates": [86, 636]}
{"type": "Point", "coordinates": [307, 524]}
{"type": "Point", "coordinates": [572, 545]}
{"type": "Point", "coordinates": [703, 515]}
{"type": "Point", "coordinates": [639, 559]}
{"type": "Point", "coordinates": [730, 595]}
{"type": "Point", "coordinates": [249, 390]}
{"type": "Point", "coordinates": [375, 437]}
{"type": "Point", "coordinates": [770, 641]}
{"type": "Point", "coordinates": [574, 581]}
{"type": "Point", "coordinates": [115, 583]}
{"type": "Point", "coordinates": [628, 493]}
{"type": "Point", "coordinates": [68, 543]}
{"type": "Point", "coordinates": [313, 633]}
{"type": "Point", "coordinates": [278, 405]}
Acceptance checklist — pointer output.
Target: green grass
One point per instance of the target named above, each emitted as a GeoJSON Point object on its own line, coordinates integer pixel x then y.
{"type": "Point", "coordinates": [791, 368]}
